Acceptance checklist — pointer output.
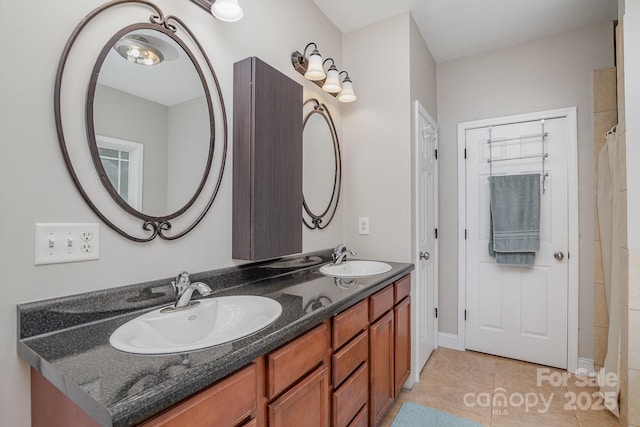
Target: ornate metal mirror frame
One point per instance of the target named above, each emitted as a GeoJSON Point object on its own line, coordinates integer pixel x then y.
{"type": "Point", "coordinates": [152, 226]}
{"type": "Point", "coordinates": [321, 220]}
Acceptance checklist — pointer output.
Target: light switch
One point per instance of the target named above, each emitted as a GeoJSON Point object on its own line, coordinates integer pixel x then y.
{"type": "Point", "coordinates": [57, 243]}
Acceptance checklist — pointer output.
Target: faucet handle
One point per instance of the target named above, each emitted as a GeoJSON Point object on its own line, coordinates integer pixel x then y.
{"type": "Point", "coordinates": [338, 250]}
{"type": "Point", "coordinates": [181, 282]}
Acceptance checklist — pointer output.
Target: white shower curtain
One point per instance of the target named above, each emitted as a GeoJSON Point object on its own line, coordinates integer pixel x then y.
{"type": "Point", "coordinates": [609, 205]}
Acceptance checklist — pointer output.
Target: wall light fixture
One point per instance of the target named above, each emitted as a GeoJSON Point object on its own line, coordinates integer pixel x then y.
{"type": "Point", "coordinates": [312, 68]}
{"type": "Point", "coordinates": [224, 10]}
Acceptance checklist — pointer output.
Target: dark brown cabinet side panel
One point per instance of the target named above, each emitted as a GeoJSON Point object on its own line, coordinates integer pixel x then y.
{"type": "Point", "coordinates": [272, 139]}
{"type": "Point", "coordinates": [242, 158]}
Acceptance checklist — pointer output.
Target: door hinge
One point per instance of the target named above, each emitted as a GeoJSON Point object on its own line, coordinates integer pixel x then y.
{"type": "Point", "coordinates": [465, 234]}
{"type": "Point", "coordinates": [435, 232]}
{"type": "Point", "coordinates": [465, 153]}
{"type": "Point", "coordinates": [436, 312]}
{"type": "Point", "coordinates": [465, 314]}
{"type": "Point", "coordinates": [436, 153]}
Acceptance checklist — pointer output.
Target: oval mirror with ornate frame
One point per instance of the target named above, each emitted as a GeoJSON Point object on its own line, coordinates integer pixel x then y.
{"type": "Point", "coordinates": [322, 166]}
{"type": "Point", "coordinates": [156, 135]}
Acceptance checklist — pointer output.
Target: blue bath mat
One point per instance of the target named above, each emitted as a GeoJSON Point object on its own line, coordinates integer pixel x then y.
{"type": "Point", "coordinates": [414, 415]}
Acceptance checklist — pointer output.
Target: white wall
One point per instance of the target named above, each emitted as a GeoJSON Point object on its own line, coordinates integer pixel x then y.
{"type": "Point", "coordinates": [549, 73]}
{"type": "Point", "coordinates": [119, 115]}
{"type": "Point", "coordinates": [187, 148]}
{"type": "Point", "coordinates": [45, 193]}
{"type": "Point", "coordinates": [388, 66]}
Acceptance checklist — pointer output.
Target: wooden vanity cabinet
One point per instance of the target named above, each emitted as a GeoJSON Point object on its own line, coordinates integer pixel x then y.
{"type": "Point", "coordinates": [267, 162]}
{"type": "Point", "coordinates": [343, 373]}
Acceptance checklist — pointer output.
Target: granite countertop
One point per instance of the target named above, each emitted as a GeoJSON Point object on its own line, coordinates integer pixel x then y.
{"type": "Point", "coordinates": [67, 339]}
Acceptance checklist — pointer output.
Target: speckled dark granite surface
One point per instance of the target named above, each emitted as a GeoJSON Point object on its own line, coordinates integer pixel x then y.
{"type": "Point", "coordinates": [67, 339]}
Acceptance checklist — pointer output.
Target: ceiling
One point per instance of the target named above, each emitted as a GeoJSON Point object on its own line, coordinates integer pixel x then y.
{"type": "Point", "coordinates": [457, 28]}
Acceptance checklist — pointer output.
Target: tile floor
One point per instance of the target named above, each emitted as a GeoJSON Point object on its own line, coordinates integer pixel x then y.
{"type": "Point", "coordinates": [496, 391]}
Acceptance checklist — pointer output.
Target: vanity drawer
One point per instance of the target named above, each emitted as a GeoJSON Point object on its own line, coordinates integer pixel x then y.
{"type": "Point", "coordinates": [291, 362]}
{"type": "Point", "coordinates": [348, 359]}
{"type": "Point", "coordinates": [223, 404]}
{"type": "Point", "coordinates": [402, 288]}
{"type": "Point", "coordinates": [380, 302]}
{"type": "Point", "coordinates": [361, 419]}
{"type": "Point", "coordinates": [349, 399]}
{"type": "Point", "coordinates": [349, 323]}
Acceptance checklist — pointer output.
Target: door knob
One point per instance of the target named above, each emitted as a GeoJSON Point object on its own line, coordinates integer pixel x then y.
{"type": "Point", "coordinates": [425, 256]}
{"type": "Point", "coordinates": [559, 256]}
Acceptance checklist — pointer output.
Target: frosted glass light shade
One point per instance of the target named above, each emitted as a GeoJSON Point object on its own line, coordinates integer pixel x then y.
{"type": "Point", "coordinates": [347, 95]}
{"type": "Point", "coordinates": [314, 69]}
{"type": "Point", "coordinates": [332, 84]}
{"type": "Point", "coordinates": [227, 10]}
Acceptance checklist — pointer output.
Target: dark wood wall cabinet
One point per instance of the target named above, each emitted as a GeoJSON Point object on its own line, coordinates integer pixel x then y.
{"type": "Point", "coordinates": [345, 372]}
{"type": "Point", "coordinates": [267, 162]}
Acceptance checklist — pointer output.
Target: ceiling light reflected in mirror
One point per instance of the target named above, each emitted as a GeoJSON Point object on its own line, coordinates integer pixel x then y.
{"type": "Point", "coordinates": [138, 49]}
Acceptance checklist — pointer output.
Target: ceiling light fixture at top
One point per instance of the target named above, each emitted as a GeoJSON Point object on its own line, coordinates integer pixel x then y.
{"type": "Point", "coordinates": [136, 48]}
{"type": "Point", "coordinates": [227, 10]}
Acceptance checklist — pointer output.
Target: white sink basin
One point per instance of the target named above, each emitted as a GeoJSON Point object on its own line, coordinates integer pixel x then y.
{"type": "Point", "coordinates": [355, 268]}
{"type": "Point", "coordinates": [211, 322]}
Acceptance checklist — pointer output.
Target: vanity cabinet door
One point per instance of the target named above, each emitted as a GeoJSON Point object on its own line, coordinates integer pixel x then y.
{"type": "Point", "coordinates": [402, 319]}
{"type": "Point", "coordinates": [306, 404]}
{"type": "Point", "coordinates": [267, 162]}
{"type": "Point", "coordinates": [381, 366]}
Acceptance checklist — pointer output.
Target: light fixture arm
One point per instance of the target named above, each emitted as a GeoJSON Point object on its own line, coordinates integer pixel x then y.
{"type": "Point", "coordinates": [346, 77]}
{"type": "Point", "coordinates": [304, 52]}
{"type": "Point", "coordinates": [333, 63]}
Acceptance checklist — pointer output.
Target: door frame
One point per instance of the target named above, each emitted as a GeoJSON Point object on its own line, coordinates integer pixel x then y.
{"type": "Point", "coordinates": [417, 111]}
{"type": "Point", "coordinates": [573, 260]}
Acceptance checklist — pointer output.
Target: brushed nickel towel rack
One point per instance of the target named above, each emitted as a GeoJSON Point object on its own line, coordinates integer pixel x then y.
{"type": "Point", "coordinates": [543, 155]}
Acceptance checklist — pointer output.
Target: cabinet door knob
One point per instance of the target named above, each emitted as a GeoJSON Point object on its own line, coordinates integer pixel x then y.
{"type": "Point", "coordinates": [425, 256]}
{"type": "Point", "coordinates": [559, 256]}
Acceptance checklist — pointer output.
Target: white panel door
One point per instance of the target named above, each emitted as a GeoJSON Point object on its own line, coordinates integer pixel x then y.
{"type": "Point", "coordinates": [427, 251]}
{"type": "Point", "coordinates": [518, 312]}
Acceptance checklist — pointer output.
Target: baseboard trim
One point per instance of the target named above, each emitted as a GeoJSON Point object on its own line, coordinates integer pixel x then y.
{"type": "Point", "coordinates": [448, 341]}
{"type": "Point", "coordinates": [586, 367]}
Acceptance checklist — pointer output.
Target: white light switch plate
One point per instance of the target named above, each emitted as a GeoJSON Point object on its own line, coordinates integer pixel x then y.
{"type": "Point", "coordinates": [57, 243]}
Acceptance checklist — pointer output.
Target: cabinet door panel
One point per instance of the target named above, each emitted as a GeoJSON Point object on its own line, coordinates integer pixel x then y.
{"type": "Point", "coordinates": [402, 314]}
{"type": "Point", "coordinates": [381, 363]}
{"type": "Point", "coordinates": [267, 162]}
{"type": "Point", "coordinates": [306, 404]}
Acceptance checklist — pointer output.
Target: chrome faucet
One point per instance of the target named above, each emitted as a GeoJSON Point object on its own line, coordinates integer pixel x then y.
{"type": "Point", "coordinates": [339, 253]}
{"type": "Point", "coordinates": [184, 289]}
